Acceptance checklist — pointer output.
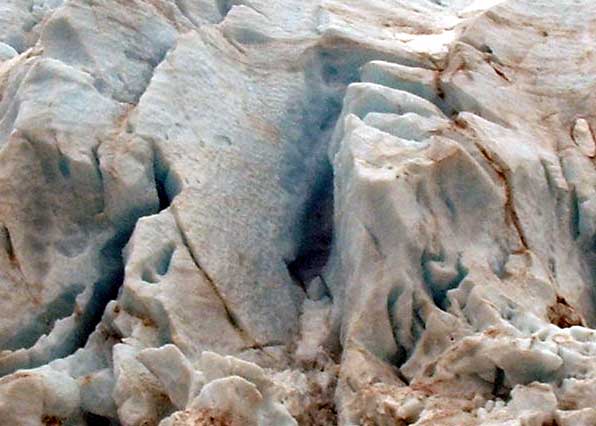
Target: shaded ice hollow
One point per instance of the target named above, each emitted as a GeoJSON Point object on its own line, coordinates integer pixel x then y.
{"type": "Point", "coordinates": [320, 212]}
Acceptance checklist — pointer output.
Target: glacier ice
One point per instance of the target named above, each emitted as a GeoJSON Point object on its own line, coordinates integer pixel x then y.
{"type": "Point", "coordinates": [315, 212]}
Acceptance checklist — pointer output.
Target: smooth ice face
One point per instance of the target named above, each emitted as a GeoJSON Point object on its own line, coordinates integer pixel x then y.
{"type": "Point", "coordinates": [297, 213]}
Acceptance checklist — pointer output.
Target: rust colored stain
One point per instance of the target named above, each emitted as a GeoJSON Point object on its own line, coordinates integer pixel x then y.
{"type": "Point", "coordinates": [563, 315]}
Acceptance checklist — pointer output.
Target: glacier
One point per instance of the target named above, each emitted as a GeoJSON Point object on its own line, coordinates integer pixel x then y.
{"type": "Point", "coordinates": [309, 212]}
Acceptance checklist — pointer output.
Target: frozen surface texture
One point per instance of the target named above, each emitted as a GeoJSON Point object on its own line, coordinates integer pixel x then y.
{"type": "Point", "coordinates": [299, 212]}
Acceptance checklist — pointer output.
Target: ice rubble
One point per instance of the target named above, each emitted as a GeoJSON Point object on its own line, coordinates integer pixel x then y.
{"type": "Point", "coordinates": [172, 173]}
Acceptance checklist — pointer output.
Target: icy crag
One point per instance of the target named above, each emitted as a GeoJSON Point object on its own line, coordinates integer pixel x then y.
{"type": "Point", "coordinates": [308, 212]}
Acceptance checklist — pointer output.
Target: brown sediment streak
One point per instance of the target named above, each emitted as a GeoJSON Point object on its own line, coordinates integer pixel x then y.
{"type": "Point", "coordinates": [510, 211]}
{"type": "Point", "coordinates": [252, 343]}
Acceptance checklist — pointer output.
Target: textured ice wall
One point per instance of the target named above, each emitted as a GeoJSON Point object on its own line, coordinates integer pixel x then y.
{"type": "Point", "coordinates": [301, 212]}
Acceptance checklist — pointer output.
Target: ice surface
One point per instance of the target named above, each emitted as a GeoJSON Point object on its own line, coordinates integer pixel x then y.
{"type": "Point", "coordinates": [297, 213]}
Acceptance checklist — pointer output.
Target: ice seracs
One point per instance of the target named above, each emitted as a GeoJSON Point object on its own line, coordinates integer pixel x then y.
{"type": "Point", "coordinates": [297, 213]}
